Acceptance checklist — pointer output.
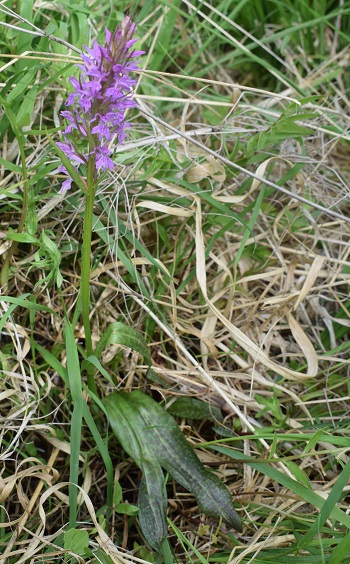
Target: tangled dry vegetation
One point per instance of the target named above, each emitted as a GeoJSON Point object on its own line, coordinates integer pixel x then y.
{"type": "Point", "coordinates": [241, 292]}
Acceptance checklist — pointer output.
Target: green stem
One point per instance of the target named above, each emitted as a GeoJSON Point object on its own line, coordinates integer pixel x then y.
{"type": "Point", "coordinates": [86, 268]}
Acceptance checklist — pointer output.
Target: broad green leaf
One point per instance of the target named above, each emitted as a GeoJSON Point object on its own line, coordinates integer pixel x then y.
{"type": "Point", "coordinates": [152, 497]}
{"type": "Point", "coordinates": [177, 457]}
{"type": "Point", "coordinates": [76, 540]}
{"type": "Point", "coordinates": [193, 408]}
{"type": "Point", "coordinates": [121, 334]}
{"type": "Point", "coordinates": [125, 425]}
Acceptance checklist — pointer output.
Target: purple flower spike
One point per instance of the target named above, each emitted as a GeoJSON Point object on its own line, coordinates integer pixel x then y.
{"type": "Point", "coordinates": [99, 100]}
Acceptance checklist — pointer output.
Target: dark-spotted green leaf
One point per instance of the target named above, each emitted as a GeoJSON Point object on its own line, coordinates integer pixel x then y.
{"type": "Point", "coordinates": [146, 430]}
{"type": "Point", "coordinates": [152, 504]}
{"type": "Point", "coordinates": [177, 457]}
{"type": "Point", "coordinates": [193, 408]}
{"type": "Point", "coordinates": [152, 500]}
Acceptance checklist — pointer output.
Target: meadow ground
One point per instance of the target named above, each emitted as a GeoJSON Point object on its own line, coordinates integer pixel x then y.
{"type": "Point", "coordinates": [216, 283]}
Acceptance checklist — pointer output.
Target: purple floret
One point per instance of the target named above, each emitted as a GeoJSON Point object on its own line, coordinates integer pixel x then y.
{"type": "Point", "coordinates": [103, 159]}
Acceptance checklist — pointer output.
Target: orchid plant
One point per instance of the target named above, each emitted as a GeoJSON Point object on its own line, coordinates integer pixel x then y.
{"type": "Point", "coordinates": [96, 115]}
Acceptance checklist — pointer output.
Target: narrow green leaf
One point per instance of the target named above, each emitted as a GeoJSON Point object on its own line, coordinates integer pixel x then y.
{"type": "Point", "coordinates": [318, 436]}
{"type": "Point", "coordinates": [101, 557]}
{"type": "Point", "coordinates": [52, 361]}
{"type": "Point", "coordinates": [103, 450]}
{"type": "Point", "coordinates": [102, 447]}
{"type": "Point", "coordinates": [121, 334]}
{"type": "Point", "coordinates": [22, 84]}
{"type": "Point", "coordinates": [10, 166]}
{"type": "Point", "coordinates": [165, 35]}
{"type": "Point", "coordinates": [341, 551]}
{"type": "Point", "coordinates": [305, 493]}
{"type": "Point", "coordinates": [51, 28]}
{"type": "Point", "coordinates": [26, 109]}
{"type": "Point", "coordinates": [298, 473]}
{"type": "Point", "coordinates": [23, 302]}
{"type": "Point", "coordinates": [5, 315]}
{"type": "Point", "coordinates": [93, 360]}
{"type": "Point", "coordinates": [328, 506]}
{"type": "Point", "coordinates": [184, 541]}
{"type": "Point", "coordinates": [74, 379]}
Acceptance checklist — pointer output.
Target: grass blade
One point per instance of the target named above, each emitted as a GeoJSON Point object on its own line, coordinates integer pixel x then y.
{"type": "Point", "coordinates": [305, 493]}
